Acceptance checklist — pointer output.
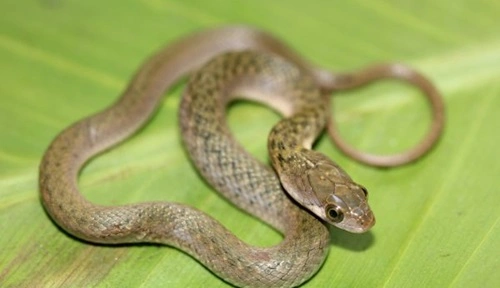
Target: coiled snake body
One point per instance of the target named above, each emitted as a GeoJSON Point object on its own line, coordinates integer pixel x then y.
{"type": "Point", "coordinates": [296, 90]}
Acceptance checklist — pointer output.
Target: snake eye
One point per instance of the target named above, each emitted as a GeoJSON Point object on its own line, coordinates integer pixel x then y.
{"type": "Point", "coordinates": [334, 213]}
{"type": "Point", "coordinates": [364, 190]}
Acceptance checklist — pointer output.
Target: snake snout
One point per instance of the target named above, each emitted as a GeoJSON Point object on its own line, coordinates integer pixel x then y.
{"type": "Point", "coordinates": [364, 219]}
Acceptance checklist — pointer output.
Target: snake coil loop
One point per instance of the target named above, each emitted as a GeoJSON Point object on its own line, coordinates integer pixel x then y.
{"type": "Point", "coordinates": [400, 72]}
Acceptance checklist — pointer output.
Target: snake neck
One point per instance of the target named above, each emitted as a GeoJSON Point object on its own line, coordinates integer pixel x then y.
{"type": "Point", "coordinates": [291, 138]}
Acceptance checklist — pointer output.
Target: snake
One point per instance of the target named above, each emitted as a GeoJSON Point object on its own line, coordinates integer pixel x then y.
{"type": "Point", "coordinates": [301, 197]}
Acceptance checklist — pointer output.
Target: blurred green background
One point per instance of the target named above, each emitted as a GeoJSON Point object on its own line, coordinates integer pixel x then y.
{"type": "Point", "coordinates": [437, 220]}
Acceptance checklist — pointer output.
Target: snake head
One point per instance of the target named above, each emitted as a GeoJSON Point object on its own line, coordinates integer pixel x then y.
{"type": "Point", "coordinates": [347, 208]}
{"type": "Point", "coordinates": [328, 192]}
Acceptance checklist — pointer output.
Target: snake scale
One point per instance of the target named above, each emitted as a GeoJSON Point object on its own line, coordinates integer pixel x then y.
{"type": "Point", "coordinates": [226, 63]}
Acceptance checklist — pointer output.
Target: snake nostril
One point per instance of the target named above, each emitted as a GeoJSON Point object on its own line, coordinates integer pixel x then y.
{"type": "Point", "coordinates": [358, 213]}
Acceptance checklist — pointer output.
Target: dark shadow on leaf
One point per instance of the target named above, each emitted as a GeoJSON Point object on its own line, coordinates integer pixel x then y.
{"type": "Point", "coordinates": [351, 241]}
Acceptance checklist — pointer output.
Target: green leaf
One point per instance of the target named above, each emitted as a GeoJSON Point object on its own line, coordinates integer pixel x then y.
{"type": "Point", "coordinates": [437, 220]}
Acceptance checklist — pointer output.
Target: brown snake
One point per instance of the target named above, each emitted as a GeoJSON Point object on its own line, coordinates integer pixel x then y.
{"type": "Point", "coordinates": [283, 81]}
